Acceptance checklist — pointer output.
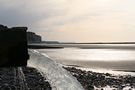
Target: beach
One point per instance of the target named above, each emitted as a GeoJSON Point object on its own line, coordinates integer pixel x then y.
{"type": "Point", "coordinates": [110, 59]}
{"type": "Point", "coordinates": [95, 81]}
{"type": "Point", "coordinates": [12, 79]}
{"type": "Point", "coordinates": [89, 80]}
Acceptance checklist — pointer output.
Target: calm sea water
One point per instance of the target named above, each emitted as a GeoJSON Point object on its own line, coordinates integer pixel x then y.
{"type": "Point", "coordinates": [97, 58]}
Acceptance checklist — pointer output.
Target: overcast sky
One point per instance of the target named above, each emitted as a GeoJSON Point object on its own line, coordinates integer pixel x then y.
{"type": "Point", "coordinates": [73, 20]}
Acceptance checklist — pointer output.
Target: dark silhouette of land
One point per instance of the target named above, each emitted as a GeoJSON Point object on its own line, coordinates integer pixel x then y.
{"type": "Point", "coordinates": [103, 43]}
{"type": "Point", "coordinates": [33, 37]}
{"type": "Point", "coordinates": [13, 46]}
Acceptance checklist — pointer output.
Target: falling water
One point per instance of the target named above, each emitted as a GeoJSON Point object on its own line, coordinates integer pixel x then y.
{"type": "Point", "coordinates": [58, 77]}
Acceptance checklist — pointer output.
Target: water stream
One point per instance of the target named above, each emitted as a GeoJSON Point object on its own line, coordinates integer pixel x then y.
{"type": "Point", "coordinates": [58, 77]}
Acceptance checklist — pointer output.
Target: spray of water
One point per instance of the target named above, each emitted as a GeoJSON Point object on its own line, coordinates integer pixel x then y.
{"type": "Point", "coordinates": [58, 77]}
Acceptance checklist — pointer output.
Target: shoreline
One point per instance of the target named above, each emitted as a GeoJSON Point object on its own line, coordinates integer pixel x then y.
{"type": "Point", "coordinates": [91, 80]}
{"type": "Point", "coordinates": [82, 46]}
{"type": "Point", "coordinates": [126, 70]}
{"type": "Point", "coordinates": [88, 79]}
{"type": "Point", "coordinates": [43, 47]}
{"type": "Point", "coordinates": [85, 68]}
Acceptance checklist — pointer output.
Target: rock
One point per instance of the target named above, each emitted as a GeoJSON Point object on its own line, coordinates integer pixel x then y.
{"type": "Point", "coordinates": [13, 46]}
{"type": "Point", "coordinates": [90, 79]}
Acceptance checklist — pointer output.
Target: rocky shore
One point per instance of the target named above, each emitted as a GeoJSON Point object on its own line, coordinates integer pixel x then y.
{"type": "Point", "coordinates": [33, 80]}
{"type": "Point", "coordinates": [30, 79]}
{"type": "Point", "coordinates": [93, 80]}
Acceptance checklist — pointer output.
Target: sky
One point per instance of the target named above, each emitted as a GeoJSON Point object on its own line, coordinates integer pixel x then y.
{"type": "Point", "coordinates": [73, 20]}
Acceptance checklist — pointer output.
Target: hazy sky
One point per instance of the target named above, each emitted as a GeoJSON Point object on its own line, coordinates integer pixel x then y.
{"type": "Point", "coordinates": [73, 20]}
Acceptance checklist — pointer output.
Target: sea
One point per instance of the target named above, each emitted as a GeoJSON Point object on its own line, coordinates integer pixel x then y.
{"type": "Point", "coordinates": [116, 59]}
{"type": "Point", "coordinates": [95, 56]}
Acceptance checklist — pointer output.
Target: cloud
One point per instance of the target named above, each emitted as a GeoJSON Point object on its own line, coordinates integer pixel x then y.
{"type": "Point", "coordinates": [28, 13]}
{"type": "Point", "coordinates": [72, 20]}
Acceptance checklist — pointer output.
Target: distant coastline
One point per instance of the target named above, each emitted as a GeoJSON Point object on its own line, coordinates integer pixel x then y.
{"type": "Point", "coordinates": [30, 46]}
{"type": "Point", "coordinates": [103, 43]}
{"type": "Point", "coordinates": [82, 46]}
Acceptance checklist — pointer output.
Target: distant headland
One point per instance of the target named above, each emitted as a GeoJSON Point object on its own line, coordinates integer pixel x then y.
{"type": "Point", "coordinates": [33, 37]}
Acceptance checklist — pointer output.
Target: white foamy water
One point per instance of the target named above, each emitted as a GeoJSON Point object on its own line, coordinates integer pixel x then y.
{"type": "Point", "coordinates": [112, 88]}
{"type": "Point", "coordinates": [58, 77]}
{"type": "Point", "coordinates": [108, 71]}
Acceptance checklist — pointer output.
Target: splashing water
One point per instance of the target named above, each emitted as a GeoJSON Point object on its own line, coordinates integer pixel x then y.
{"type": "Point", "coordinates": [58, 77]}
